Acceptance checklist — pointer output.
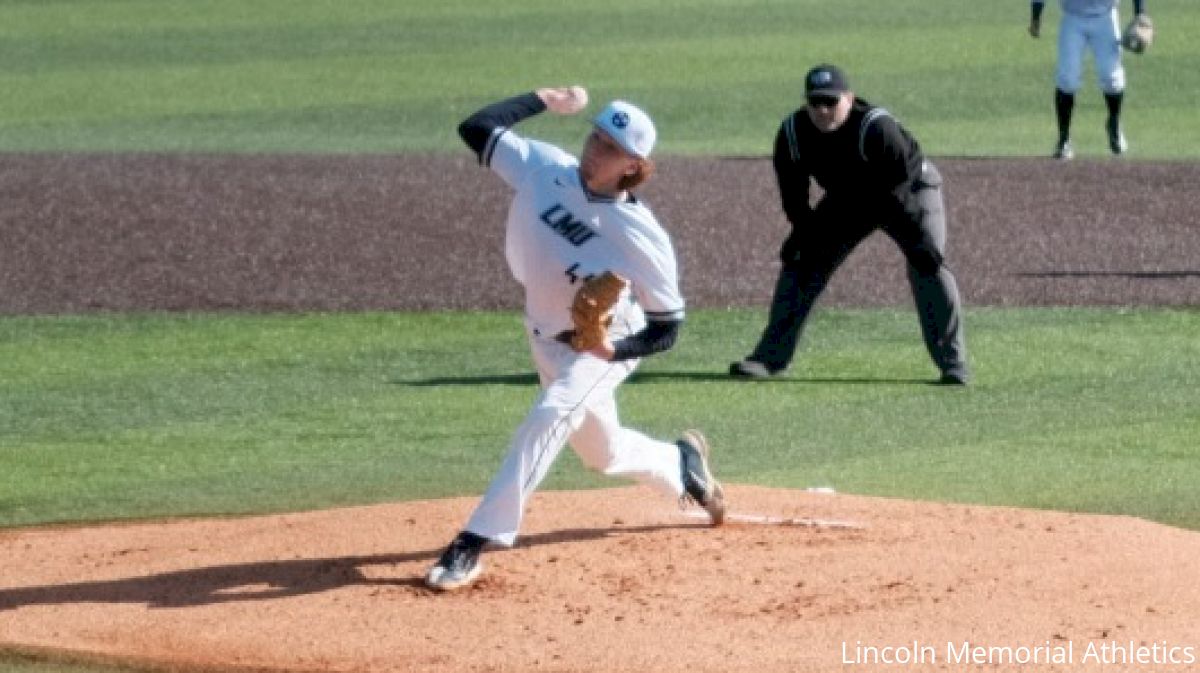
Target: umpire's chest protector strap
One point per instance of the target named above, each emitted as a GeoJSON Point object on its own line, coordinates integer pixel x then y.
{"type": "Point", "coordinates": [868, 119]}
{"type": "Point", "coordinates": [789, 132]}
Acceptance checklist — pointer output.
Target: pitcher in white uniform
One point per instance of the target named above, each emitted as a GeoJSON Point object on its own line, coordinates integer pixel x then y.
{"type": "Point", "coordinates": [571, 219]}
{"type": "Point", "coordinates": [1095, 25]}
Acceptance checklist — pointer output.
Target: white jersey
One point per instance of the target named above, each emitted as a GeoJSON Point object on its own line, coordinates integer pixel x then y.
{"type": "Point", "coordinates": [558, 233]}
{"type": "Point", "coordinates": [1088, 7]}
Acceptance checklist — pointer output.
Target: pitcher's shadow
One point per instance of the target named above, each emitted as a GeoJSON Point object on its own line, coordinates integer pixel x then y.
{"type": "Point", "coordinates": [266, 580]}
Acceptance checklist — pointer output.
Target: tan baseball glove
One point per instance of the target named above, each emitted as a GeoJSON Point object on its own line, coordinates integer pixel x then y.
{"type": "Point", "coordinates": [1139, 34]}
{"type": "Point", "coordinates": [591, 311]}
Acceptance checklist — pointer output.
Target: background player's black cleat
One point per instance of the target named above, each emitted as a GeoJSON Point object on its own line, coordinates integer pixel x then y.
{"type": "Point", "coordinates": [1116, 139]}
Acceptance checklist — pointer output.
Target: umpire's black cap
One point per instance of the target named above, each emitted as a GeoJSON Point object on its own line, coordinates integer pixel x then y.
{"type": "Point", "coordinates": [825, 80]}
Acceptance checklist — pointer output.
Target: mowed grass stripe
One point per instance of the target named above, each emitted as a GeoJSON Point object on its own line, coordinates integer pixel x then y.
{"type": "Point", "coordinates": [384, 76]}
{"type": "Point", "coordinates": [109, 417]}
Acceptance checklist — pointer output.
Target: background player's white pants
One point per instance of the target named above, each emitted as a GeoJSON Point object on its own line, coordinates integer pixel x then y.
{"type": "Point", "coordinates": [1102, 33]}
{"type": "Point", "coordinates": [576, 403]}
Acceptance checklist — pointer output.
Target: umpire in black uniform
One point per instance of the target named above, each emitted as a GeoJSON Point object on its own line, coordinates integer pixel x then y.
{"type": "Point", "coordinates": [874, 176]}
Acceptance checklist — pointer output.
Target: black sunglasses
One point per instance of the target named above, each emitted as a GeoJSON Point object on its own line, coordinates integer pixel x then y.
{"type": "Point", "coordinates": [824, 101]}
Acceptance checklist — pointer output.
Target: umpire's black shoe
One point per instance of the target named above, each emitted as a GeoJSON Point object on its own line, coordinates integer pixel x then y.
{"type": "Point", "coordinates": [459, 565]}
{"type": "Point", "coordinates": [699, 485]}
{"type": "Point", "coordinates": [955, 377]}
{"type": "Point", "coordinates": [751, 369]}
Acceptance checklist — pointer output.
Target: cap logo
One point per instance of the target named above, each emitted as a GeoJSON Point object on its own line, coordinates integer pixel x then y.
{"type": "Point", "coordinates": [822, 77]}
{"type": "Point", "coordinates": [620, 120]}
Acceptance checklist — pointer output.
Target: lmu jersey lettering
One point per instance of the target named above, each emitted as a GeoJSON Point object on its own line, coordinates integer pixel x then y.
{"type": "Point", "coordinates": [560, 221]}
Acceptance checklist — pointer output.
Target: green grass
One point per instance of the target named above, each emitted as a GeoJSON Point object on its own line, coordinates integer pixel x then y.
{"type": "Point", "coordinates": [56, 662]}
{"type": "Point", "coordinates": [112, 417]}
{"type": "Point", "coordinates": [387, 76]}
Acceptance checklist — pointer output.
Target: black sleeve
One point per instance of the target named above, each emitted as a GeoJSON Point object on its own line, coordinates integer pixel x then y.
{"type": "Point", "coordinates": [890, 152]}
{"type": "Point", "coordinates": [658, 336]}
{"type": "Point", "coordinates": [894, 159]}
{"type": "Point", "coordinates": [477, 129]}
{"type": "Point", "coordinates": [1139, 7]}
{"type": "Point", "coordinates": [791, 174]}
{"type": "Point", "coordinates": [892, 155]}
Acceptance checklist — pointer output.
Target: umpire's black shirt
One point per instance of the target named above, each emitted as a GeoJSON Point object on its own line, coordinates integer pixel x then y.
{"type": "Point", "coordinates": [870, 163]}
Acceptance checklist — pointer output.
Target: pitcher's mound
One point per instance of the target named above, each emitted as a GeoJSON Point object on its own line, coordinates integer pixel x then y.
{"type": "Point", "coordinates": [617, 580]}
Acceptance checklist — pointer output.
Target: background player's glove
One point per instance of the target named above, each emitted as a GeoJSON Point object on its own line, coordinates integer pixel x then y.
{"type": "Point", "coordinates": [591, 311]}
{"type": "Point", "coordinates": [1139, 34]}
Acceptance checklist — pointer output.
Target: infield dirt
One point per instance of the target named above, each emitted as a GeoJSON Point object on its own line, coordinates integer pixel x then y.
{"type": "Point", "coordinates": [283, 233]}
{"type": "Point", "coordinates": [610, 580]}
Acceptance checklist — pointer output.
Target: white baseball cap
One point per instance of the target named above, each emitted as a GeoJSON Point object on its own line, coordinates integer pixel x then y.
{"type": "Point", "coordinates": [629, 126]}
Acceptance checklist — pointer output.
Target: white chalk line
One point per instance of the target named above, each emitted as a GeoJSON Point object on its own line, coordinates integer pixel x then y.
{"type": "Point", "coordinates": [770, 520]}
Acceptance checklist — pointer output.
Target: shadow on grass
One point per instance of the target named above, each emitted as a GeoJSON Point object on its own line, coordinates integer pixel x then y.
{"type": "Point", "coordinates": [269, 580]}
{"type": "Point", "coordinates": [1143, 275]}
{"type": "Point", "coordinates": [531, 379]}
{"type": "Point", "coordinates": [528, 379]}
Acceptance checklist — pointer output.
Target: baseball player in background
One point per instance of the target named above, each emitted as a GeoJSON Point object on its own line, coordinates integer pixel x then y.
{"type": "Point", "coordinates": [1093, 24]}
{"type": "Point", "coordinates": [570, 220]}
{"type": "Point", "coordinates": [874, 176]}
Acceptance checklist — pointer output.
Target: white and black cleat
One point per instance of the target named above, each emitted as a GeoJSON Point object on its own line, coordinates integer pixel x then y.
{"type": "Point", "coordinates": [699, 485]}
{"type": "Point", "coordinates": [459, 565]}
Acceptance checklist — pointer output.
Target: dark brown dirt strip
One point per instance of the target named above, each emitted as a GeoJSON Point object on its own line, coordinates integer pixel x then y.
{"type": "Point", "coordinates": [98, 232]}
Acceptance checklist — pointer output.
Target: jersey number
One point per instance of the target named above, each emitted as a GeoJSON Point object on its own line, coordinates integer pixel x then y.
{"type": "Point", "coordinates": [574, 276]}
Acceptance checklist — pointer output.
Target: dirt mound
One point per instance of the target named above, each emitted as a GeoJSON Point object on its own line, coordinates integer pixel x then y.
{"type": "Point", "coordinates": [617, 580]}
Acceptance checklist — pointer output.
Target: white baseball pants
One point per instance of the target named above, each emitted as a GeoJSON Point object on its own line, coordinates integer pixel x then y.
{"type": "Point", "coordinates": [1102, 33]}
{"type": "Point", "coordinates": [576, 404]}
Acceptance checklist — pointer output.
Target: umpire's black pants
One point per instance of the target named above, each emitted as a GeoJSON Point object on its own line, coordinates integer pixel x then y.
{"type": "Point", "coordinates": [811, 256]}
